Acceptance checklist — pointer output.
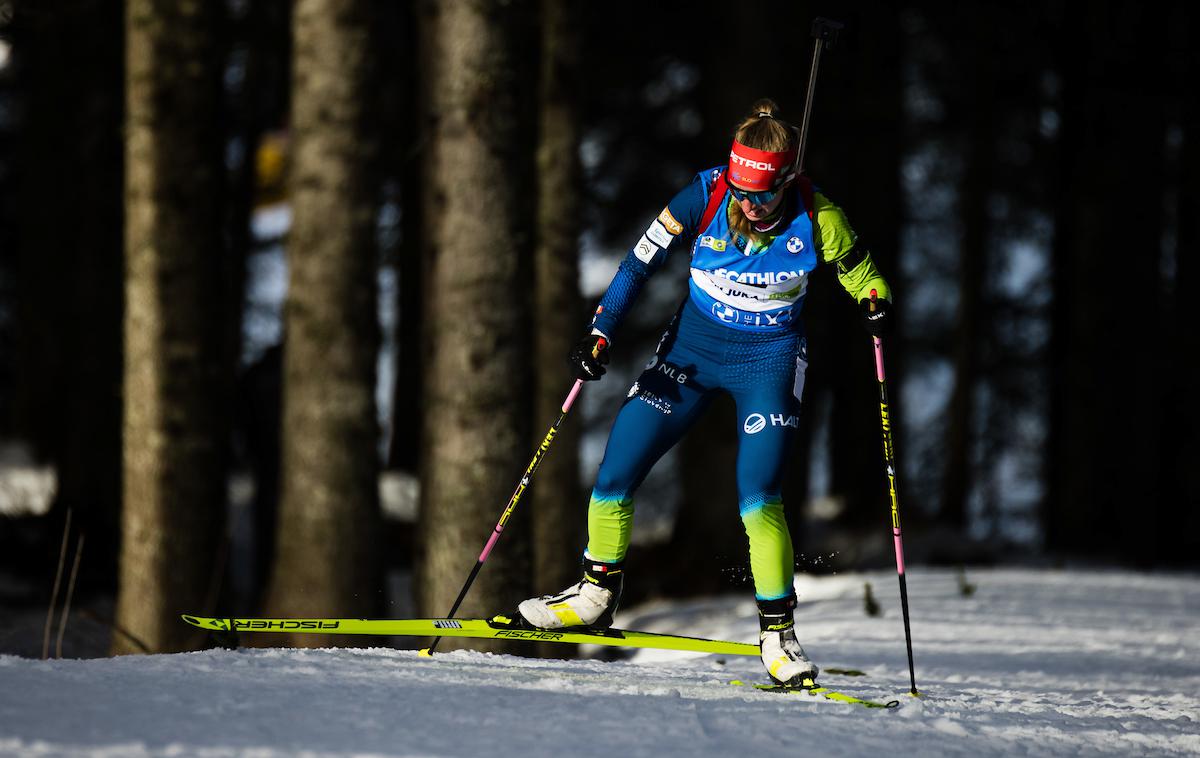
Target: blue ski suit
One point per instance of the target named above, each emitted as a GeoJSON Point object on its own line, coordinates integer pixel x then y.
{"type": "Point", "coordinates": [737, 332]}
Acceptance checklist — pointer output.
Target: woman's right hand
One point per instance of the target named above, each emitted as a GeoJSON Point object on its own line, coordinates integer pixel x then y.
{"type": "Point", "coordinates": [589, 357]}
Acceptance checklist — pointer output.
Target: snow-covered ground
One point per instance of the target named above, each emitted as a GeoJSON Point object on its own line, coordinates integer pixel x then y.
{"type": "Point", "coordinates": [1032, 663]}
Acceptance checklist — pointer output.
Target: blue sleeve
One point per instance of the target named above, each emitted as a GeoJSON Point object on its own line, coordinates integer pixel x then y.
{"type": "Point", "coordinates": [678, 221]}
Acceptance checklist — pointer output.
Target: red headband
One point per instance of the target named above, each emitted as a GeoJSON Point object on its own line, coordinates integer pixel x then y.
{"type": "Point", "coordinates": [757, 170]}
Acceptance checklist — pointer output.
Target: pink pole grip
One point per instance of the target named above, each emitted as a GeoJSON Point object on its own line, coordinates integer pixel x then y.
{"type": "Point", "coordinates": [566, 406]}
{"type": "Point", "coordinates": [487, 549]}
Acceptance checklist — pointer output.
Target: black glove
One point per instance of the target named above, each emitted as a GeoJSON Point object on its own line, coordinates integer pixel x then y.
{"type": "Point", "coordinates": [877, 321]}
{"type": "Point", "coordinates": [589, 357]}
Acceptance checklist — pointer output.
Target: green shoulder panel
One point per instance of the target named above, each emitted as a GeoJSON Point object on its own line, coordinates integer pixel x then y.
{"type": "Point", "coordinates": [835, 239]}
{"type": "Point", "coordinates": [832, 233]}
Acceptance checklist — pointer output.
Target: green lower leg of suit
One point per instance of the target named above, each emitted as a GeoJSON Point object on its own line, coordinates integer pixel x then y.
{"type": "Point", "coordinates": [771, 556]}
{"type": "Point", "coordinates": [610, 524]}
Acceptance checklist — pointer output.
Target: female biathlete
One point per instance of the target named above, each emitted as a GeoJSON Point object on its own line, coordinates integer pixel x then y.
{"type": "Point", "coordinates": [757, 230]}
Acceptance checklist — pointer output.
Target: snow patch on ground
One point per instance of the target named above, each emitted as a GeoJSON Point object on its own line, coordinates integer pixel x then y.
{"type": "Point", "coordinates": [1034, 662]}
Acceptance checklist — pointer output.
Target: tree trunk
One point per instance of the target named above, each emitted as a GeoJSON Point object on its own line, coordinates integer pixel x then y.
{"type": "Point", "coordinates": [176, 379]}
{"type": "Point", "coordinates": [326, 557]}
{"type": "Point", "coordinates": [477, 431]}
{"type": "Point", "coordinates": [558, 505]}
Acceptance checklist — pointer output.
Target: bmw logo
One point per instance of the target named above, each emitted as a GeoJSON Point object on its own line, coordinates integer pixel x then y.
{"type": "Point", "coordinates": [725, 313]}
{"type": "Point", "coordinates": [795, 245]}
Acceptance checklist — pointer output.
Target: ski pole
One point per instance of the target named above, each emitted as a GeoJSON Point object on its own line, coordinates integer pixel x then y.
{"type": "Point", "coordinates": [825, 32]}
{"type": "Point", "coordinates": [889, 459]}
{"type": "Point", "coordinates": [516, 496]}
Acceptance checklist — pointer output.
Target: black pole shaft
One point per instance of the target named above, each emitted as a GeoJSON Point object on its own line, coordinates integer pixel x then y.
{"type": "Point", "coordinates": [825, 34]}
{"type": "Point", "coordinates": [889, 456]}
{"type": "Point", "coordinates": [889, 459]}
{"type": "Point", "coordinates": [912, 673]}
{"type": "Point", "coordinates": [808, 101]}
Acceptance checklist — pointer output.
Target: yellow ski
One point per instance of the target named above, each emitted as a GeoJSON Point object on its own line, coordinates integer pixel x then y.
{"type": "Point", "coordinates": [499, 627]}
{"type": "Point", "coordinates": [812, 688]}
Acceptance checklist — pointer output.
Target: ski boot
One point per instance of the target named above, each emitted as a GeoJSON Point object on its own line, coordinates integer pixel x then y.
{"type": "Point", "coordinates": [589, 603]}
{"type": "Point", "coordinates": [781, 653]}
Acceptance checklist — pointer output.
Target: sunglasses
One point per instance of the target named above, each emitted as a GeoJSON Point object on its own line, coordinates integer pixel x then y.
{"type": "Point", "coordinates": [757, 198]}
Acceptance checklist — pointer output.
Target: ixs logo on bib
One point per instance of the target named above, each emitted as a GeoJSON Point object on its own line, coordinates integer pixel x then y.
{"type": "Point", "coordinates": [714, 243]}
{"type": "Point", "coordinates": [731, 315]}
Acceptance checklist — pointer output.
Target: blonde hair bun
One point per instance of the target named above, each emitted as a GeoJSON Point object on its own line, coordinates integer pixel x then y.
{"type": "Point", "coordinates": [764, 108]}
{"type": "Point", "coordinates": [762, 128]}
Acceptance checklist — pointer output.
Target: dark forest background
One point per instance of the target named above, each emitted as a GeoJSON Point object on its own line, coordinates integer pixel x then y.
{"type": "Point", "coordinates": [286, 287]}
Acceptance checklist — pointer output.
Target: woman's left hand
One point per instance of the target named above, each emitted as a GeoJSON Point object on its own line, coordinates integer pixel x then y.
{"type": "Point", "coordinates": [876, 320]}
